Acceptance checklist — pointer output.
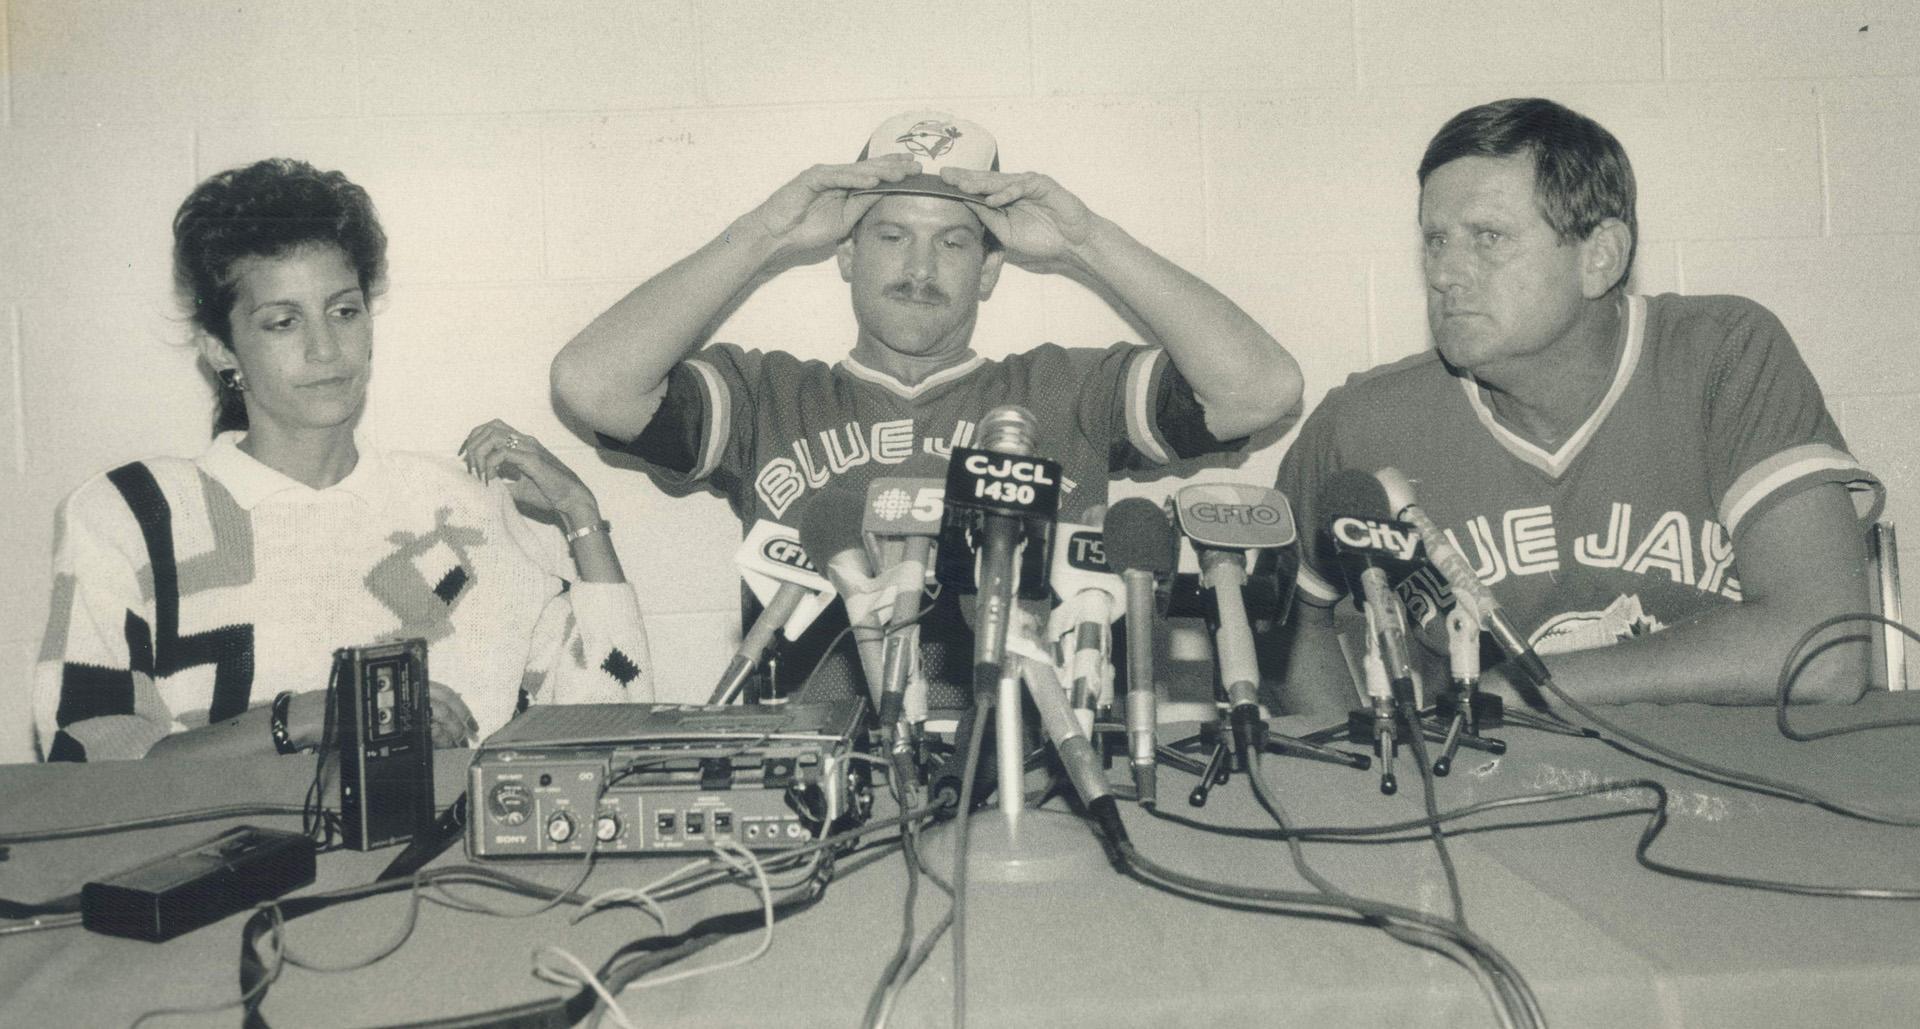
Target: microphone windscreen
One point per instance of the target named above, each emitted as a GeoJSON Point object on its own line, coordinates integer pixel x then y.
{"type": "Point", "coordinates": [1348, 493]}
{"type": "Point", "coordinates": [1399, 488]}
{"type": "Point", "coordinates": [1357, 494]}
{"type": "Point", "coordinates": [831, 526]}
{"type": "Point", "coordinates": [1139, 537]}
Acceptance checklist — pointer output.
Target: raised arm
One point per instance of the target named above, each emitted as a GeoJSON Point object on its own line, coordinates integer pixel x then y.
{"type": "Point", "coordinates": [609, 658]}
{"type": "Point", "coordinates": [614, 372]}
{"type": "Point", "coordinates": [1243, 378]}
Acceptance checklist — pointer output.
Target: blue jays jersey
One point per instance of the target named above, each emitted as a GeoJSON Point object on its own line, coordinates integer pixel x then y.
{"type": "Point", "coordinates": [773, 432]}
{"type": "Point", "coordinates": [1629, 526]}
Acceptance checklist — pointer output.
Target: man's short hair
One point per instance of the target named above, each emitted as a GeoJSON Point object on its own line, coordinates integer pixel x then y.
{"type": "Point", "coordinates": [1581, 175]}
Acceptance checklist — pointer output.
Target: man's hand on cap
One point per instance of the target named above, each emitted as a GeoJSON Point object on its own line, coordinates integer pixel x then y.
{"type": "Point", "coordinates": [1032, 215]}
{"type": "Point", "coordinates": [815, 209]}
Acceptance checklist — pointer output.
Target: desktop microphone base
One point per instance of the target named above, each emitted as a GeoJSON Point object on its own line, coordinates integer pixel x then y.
{"type": "Point", "coordinates": [1024, 846]}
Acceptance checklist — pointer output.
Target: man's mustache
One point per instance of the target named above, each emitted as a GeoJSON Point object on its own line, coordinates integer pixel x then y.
{"type": "Point", "coordinates": [926, 293]}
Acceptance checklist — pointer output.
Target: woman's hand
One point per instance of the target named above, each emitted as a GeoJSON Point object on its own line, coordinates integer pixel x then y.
{"type": "Point", "coordinates": [537, 479]}
{"type": "Point", "coordinates": [453, 724]}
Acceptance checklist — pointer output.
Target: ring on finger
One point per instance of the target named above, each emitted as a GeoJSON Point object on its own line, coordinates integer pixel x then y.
{"type": "Point", "coordinates": [515, 441]}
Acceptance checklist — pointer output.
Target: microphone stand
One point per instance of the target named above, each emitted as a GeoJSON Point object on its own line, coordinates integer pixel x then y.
{"type": "Point", "coordinates": [1454, 720]}
{"type": "Point", "coordinates": [1229, 741]}
{"type": "Point", "coordinates": [1015, 843]}
{"type": "Point", "coordinates": [1216, 739]}
{"type": "Point", "coordinates": [1389, 717]}
{"type": "Point", "coordinates": [1466, 710]}
{"type": "Point", "coordinates": [1462, 706]}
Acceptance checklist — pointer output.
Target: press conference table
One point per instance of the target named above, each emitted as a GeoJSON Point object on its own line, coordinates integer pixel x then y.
{"type": "Point", "coordinates": [1603, 941]}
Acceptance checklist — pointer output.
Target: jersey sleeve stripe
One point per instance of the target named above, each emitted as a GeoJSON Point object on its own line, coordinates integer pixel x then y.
{"type": "Point", "coordinates": [1817, 462]}
{"type": "Point", "coordinates": [719, 426]}
{"type": "Point", "coordinates": [1142, 394]}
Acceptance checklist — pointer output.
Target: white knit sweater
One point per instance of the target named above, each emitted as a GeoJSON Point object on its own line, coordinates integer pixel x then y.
{"type": "Point", "coordinates": [188, 591]}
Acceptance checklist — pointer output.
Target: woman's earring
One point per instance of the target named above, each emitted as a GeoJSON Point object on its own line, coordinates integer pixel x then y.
{"type": "Point", "coordinates": [233, 380]}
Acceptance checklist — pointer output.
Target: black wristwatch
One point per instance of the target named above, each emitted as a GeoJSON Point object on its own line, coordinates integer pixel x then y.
{"type": "Point", "coordinates": [277, 724]}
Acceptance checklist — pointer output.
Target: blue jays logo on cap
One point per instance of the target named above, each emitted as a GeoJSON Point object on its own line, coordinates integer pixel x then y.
{"type": "Point", "coordinates": [929, 139]}
{"type": "Point", "coordinates": [938, 141]}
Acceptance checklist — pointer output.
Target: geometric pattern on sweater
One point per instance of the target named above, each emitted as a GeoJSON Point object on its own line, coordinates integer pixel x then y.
{"type": "Point", "coordinates": [425, 576]}
{"type": "Point", "coordinates": [228, 562]}
{"type": "Point", "coordinates": [620, 666]}
{"type": "Point", "coordinates": [96, 691]}
{"type": "Point", "coordinates": [450, 585]}
{"type": "Point", "coordinates": [160, 569]}
{"type": "Point", "coordinates": [164, 651]}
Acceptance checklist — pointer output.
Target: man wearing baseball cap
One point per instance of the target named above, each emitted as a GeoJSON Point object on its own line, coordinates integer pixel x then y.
{"type": "Point", "coordinates": [920, 225]}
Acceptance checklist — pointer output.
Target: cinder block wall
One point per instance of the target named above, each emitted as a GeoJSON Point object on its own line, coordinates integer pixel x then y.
{"type": "Point", "coordinates": [534, 160]}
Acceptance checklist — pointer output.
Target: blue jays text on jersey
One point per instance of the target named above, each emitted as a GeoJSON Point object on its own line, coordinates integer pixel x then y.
{"type": "Point", "coordinates": [784, 479]}
{"type": "Point", "coordinates": [1527, 541]}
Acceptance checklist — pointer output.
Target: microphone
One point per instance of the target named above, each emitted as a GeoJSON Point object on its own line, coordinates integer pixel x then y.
{"type": "Point", "coordinates": [901, 522]}
{"type": "Point", "coordinates": [1091, 597]}
{"type": "Point", "coordinates": [998, 498]}
{"type": "Point", "coordinates": [1069, 738]}
{"type": "Point", "coordinates": [1224, 521]}
{"type": "Point", "coordinates": [830, 528]}
{"type": "Point", "coordinates": [1463, 648]}
{"type": "Point", "coordinates": [1371, 545]}
{"type": "Point", "coordinates": [1463, 665]}
{"type": "Point", "coordinates": [1466, 586]}
{"type": "Point", "coordinates": [1075, 751]}
{"type": "Point", "coordinates": [1139, 542]}
{"type": "Point", "coordinates": [791, 590]}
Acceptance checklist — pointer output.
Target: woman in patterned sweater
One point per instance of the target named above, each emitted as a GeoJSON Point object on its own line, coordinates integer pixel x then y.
{"type": "Point", "coordinates": [197, 603]}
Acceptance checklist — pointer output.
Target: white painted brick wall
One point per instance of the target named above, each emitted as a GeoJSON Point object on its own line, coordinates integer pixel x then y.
{"type": "Point", "coordinates": [776, 52]}
{"type": "Point", "coordinates": [89, 208]}
{"type": "Point", "coordinates": [133, 62]}
{"type": "Point", "coordinates": [450, 57]}
{"type": "Point", "coordinates": [533, 161]}
{"type": "Point", "coordinates": [1146, 47]}
{"type": "Point", "coordinates": [1447, 42]}
{"type": "Point", "coordinates": [1872, 152]}
{"type": "Point", "coordinates": [1765, 39]}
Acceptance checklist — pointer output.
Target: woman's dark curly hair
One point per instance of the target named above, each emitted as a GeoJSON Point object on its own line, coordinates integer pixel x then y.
{"type": "Point", "coordinates": [267, 209]}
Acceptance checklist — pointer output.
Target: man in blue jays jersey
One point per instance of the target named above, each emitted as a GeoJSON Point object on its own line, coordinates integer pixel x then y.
{"type": "Point", "coordinates": [1651, 486]}
{"type": "Point", "coordinates": [921, 227]}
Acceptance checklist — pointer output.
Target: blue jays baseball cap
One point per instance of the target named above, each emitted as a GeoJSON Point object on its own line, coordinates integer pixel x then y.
{"type": "Point", "coordinates": [937, 140]}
